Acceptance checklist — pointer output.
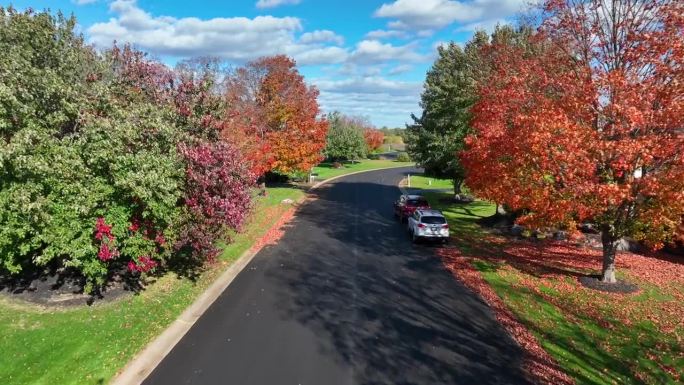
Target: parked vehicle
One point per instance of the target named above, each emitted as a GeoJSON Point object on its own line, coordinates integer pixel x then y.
{"type": "Point", "coordinates": [428, 224]}
{"type": "Point", "coordinates": [407, 204]}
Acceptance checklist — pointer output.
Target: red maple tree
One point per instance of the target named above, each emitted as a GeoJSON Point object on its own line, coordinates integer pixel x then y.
{"type": "Point", "coordinates": [374, 138]}
{"type": "Point", "coordinates": [275, 114]}
{"type": "Point", "coordinates": [590, 125]}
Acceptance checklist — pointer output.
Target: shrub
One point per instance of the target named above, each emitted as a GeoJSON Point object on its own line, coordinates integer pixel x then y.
{"type": "Point", "coordinates": [403, 157]}
{"type": "Point", "coordinates": [217, 196]}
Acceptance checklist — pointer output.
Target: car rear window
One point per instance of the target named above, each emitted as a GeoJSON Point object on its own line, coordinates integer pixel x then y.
{"type": "Point", "coordinates": [433, 220]}
{"type": "Point", "coordinates": [416, 202]}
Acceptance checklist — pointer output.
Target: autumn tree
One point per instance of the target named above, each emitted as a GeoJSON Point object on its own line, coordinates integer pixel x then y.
{"type": "Point", "coordinates": [590, 126]}
{"type": "Point", "coordinates": [272, 103]}
{"type": "Point", "coordinates": [374, 138]}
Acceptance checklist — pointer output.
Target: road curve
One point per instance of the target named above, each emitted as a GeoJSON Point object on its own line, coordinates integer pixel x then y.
{"type": "Point", "coordinates": [345, 298]}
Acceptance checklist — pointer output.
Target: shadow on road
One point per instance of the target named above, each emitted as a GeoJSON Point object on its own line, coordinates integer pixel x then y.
{"type": "Point", "coordinates": [389, 308]}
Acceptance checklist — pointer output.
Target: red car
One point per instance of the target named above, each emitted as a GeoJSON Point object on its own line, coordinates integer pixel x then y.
{"type": "Point", "coordinates": [407, 204]}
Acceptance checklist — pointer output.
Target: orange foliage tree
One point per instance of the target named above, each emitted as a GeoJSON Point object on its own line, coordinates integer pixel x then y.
{"type": "Point", "coordinates": [275, 116]}
{"type": "Point", "coordinates": [373, 137]}
{"type": "Point", "coordinates": [589, 126]}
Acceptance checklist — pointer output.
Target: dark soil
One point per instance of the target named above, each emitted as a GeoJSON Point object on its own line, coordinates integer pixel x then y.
{"type": "Point", "coordinates": [594, 282]}
{"type": "Point", "coordinates": [62, 288]}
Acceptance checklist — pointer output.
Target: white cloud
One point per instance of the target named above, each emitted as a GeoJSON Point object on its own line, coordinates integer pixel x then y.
{"type": "Point", "coordinates": [383, 109]}
{"type": "Point", "coordinates": [426, 15]}
{"type": "Point", "coordinates": [373, 51]}
{"type": "Point", "coordinates": [321, 36]}
{"type": "Point", "coordinates": [400, 69]}
{"type": "Point", "coordinates": [386, 34]}
{"type": "Point", "coordinates": [235, 39]}
{"type": "Point", "coordinates": [386, 102]}
{"type": "Point", "coordinates": [487, 26]}
{"type": "Point", "coordinates": [261, 4]}
{"type": "Point", "coordinates": [370, 85]}
{"type": "Point", "coordinates": [322, 55]}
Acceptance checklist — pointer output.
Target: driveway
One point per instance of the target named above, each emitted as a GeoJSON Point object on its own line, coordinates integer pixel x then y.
{"type": "Point", "coordinates": [345, 298]}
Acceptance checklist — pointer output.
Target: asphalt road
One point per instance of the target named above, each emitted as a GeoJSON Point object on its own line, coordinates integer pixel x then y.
{"type": "Point", "coordinates": [345, 298]}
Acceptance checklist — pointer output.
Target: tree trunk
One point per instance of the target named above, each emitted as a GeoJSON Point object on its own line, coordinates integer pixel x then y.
{"type": "Point", "coordinates": [457, 185]}
{"type": "Point", "coordinates": [261, 182]}
{"type": "Point", "coordinates": [609, 241]}
{"type": "Point", "coordinates": [501, 210]}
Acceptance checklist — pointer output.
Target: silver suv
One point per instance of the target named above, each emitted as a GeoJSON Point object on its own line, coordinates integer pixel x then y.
{"type": "Point", "coordinates": [428, 224]}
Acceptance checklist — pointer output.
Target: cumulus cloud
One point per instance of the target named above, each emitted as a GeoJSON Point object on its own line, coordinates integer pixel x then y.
{"type": "Point", "coordinates": [321, 36]}
{"type": "Point", "coordinates": [321, 55]}
{"type": "Point", "coordinates": [374, 51]}
{"type": "Point", "coordinates": [487, 25]}
{"type": "Point", "coordinates": [386, 34]}
{"type": "Point", "coordinates": [370, 85]}
{"type": "Point", "coordinates": [261, 4]}
{"type": "Point", "coordinates": [400, 69]}
{"type": "Point", "coordinates": [236, 38]}
{"type": "Point", "coordinates": [425, 15]}
{"type": "Point", "coordinates": [386, 102]}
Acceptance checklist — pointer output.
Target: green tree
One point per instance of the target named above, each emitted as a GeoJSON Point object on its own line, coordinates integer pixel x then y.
{"type": "Point", "coordinates": [450, 91]}
{"type": "Point", "coordinates": [345, 140]}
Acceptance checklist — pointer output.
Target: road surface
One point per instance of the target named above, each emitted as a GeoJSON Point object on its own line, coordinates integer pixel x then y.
{"type": "Point", "coordinates": [345, 298]}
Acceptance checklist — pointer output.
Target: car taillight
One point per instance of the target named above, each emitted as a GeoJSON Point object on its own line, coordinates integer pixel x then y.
{"type": "Point", "coordinates": [421, 226]}
{"type": "Point", "coordinates": [445, 226]}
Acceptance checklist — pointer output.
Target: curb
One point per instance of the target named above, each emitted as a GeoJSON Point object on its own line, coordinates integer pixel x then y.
{"type": "Point", "coordinates": [402, 186]}
{"type": "Point", "coordinates": [143, 363]}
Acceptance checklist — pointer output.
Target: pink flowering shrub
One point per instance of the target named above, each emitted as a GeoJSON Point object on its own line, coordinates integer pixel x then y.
{"type": "Point", "coordinates": [143, 264]}
{"type": "Point", "coordinates": [103, 233]}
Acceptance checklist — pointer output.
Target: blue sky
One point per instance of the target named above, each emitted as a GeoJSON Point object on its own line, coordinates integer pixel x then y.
{"type": "Point", "coordinates": [367, 57]}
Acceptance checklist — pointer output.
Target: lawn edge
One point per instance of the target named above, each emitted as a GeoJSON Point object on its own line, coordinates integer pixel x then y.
{"type": "Point", "coordinates": [538, 365]}
{"type": "Point", "coordinates": [145, 361]}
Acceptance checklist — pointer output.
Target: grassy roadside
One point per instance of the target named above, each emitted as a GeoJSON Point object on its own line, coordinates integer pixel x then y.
{"type": "Point", "coordinates": [326, 170]}
{"type": "Point", "coordinates": [596, 338]}
{"type": "Point", "coordinates": [422, 182]}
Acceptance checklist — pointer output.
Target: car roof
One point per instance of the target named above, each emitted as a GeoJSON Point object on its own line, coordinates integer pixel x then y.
{"type": "Point", "coordinates": [414, 196]}
{"type": "Point", "coordinates": [430, 212]}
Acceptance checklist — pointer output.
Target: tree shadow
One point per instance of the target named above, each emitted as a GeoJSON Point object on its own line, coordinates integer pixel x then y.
{"type": "Point", "coordinates": [580, 340]}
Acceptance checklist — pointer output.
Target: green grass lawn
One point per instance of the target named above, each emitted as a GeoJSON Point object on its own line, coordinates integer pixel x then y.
{"type": "Point", "coordinates": [597, 338]}
{"type": "Point", "coordinates": [88, 345]}
{"type": "Point", "coordinates": [419, 181]}
{"type": "Point", "coordinates": [326, 170]}
{"type": "Point", "coordinates": [592, 349]}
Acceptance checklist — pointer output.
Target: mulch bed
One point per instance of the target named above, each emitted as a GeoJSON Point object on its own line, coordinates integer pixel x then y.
{"type": "Point", "coordinates": [594, 282]}
{"type": "Point", "coordinates": [60, 288]}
